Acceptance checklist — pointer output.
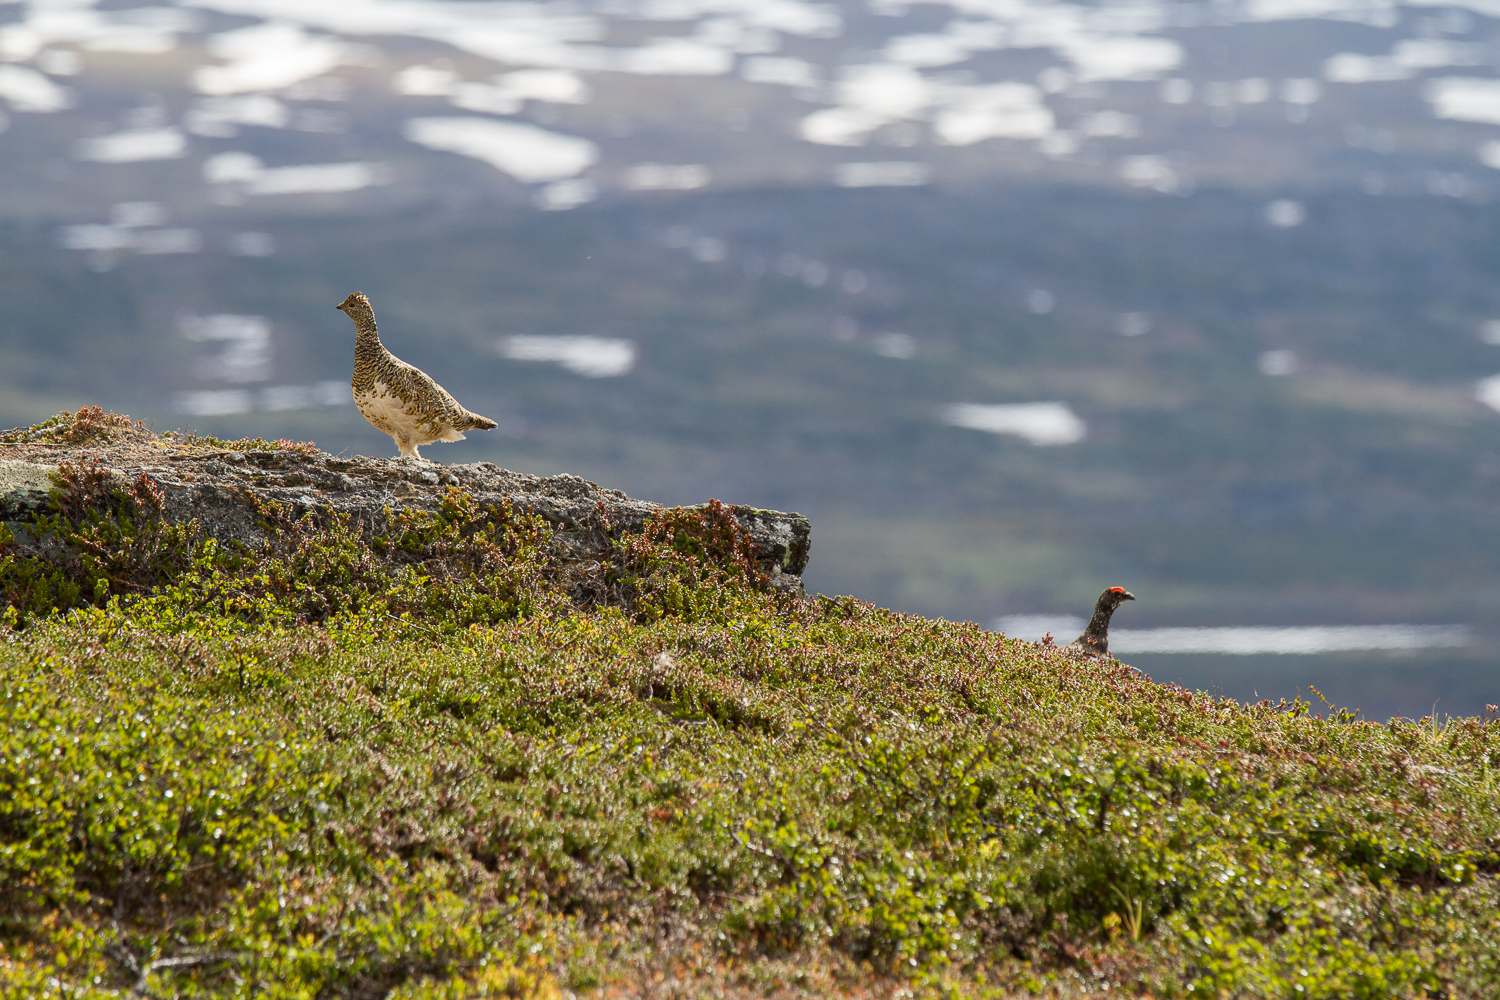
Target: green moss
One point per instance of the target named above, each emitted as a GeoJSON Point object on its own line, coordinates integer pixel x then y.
{"type": "Point", "coordinates": [206, 442]}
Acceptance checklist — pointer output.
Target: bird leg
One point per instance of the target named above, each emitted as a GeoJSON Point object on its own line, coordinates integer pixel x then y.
{"type": "Point", "coordinates": [407, 447]}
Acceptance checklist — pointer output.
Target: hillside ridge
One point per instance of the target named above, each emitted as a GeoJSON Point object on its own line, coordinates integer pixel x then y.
{"type": "Point", "coordinates": [463, 753]}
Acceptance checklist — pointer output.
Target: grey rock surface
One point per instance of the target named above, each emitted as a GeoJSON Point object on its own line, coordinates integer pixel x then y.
{"type": "Point", "coordinates": [217, 489]}
{"type": "Point", "coordinates": [24, 484]}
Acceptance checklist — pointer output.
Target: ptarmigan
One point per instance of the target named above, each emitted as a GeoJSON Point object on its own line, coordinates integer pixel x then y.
{"type": "Point", "coordinates": [1095, 638]}
{"type": "Point", "coordinates": [396, 398]}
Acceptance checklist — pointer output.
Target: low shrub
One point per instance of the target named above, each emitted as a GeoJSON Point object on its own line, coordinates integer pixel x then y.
{"type": "Point", "coordinates": [456, 759]}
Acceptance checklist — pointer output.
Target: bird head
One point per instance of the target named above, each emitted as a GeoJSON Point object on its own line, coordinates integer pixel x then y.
{"type": "Point", "coordinates": [354, 305]}
{"type": "Point", "coordinates": [1115, 596]}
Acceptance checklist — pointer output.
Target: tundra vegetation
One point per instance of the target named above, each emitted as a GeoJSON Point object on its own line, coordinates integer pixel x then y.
{"type": "Point", "coordinates": [452, 760]}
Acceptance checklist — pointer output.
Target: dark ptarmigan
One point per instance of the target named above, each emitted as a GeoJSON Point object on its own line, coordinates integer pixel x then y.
{"type": "Point", "coordinates": [1095, 638]}
{"type": "Point", "coordinates": [395, 397]}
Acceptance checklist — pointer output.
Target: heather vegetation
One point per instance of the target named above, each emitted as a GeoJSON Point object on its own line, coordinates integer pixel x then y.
{"type": "Point", "coordinates": [457, 759]}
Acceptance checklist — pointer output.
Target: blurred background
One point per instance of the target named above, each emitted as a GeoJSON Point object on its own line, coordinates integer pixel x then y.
{"type": "Point", "coordinates": [1014, 299]}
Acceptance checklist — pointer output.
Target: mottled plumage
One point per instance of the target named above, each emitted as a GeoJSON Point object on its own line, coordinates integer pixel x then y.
{"type": "Point", "coordinates": [396, 398]}
{"type": "Point", "coordinates": [1095, 638]}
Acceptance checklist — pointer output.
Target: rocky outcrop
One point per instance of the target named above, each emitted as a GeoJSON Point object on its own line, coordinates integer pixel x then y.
{"type": "Point", "coordinates": [217, 488]}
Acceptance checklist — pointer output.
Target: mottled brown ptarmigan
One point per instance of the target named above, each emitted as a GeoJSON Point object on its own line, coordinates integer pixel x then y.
{"type": "Point", "coordinates": [1095, 638]}
{"type": "Point", "coordinates": [396, 398]}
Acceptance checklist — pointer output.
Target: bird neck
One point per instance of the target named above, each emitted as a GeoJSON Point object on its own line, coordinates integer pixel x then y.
{"type": "Point", "coordinates": [1099, 624]}
{"type": "Point", "coordinates": [366, 337]}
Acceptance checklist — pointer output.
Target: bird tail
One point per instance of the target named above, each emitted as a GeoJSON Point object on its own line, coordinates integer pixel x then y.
{"type": "Point", "coordinates": [476, 422]}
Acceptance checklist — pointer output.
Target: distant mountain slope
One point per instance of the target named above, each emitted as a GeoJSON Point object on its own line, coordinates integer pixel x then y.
{"type": "Point", "coordinates": [1200, 294]}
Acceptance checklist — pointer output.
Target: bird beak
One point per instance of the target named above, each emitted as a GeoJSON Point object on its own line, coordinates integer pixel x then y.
{"type": "Point", "coordinates": [1129, 596]}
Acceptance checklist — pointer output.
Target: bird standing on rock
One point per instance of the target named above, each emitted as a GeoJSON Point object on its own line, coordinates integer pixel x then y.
{"type": "Point", "coordinates": [395, 397]}
{"type": "Point", "coordinates": [1095, 638]}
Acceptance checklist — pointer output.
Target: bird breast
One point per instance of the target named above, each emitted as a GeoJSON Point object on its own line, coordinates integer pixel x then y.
{"type": "Point", "coordinates": [383, 408]}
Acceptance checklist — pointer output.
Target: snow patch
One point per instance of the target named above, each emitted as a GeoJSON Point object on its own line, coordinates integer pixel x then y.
{"type": "Point", "coordinates": [1305, 640]}
{"type": "Point", "coordinates": [133, 145]}
{"type": "Point", "coordinates": [525, 152]}
{"type": "Point", "coordinates": [666, 177]}
{"type": "Point", "coordinates": [1040, 424]}
{"type": "Point", "coordinates": [1465, 99]}
{"type": "Point", "coordinates": [28, 90]}
{"type": "Point", "coordinates": [591, 357]}
{"type": "Point", "coordinates": [887, 173]}
{"type": "Point", "coordinates": [267, 57]}
{"type": "Point", "coordinates": [314, 178]}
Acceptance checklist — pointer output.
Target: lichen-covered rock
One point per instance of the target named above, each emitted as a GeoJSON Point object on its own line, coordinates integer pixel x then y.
{"type": "Point", "coordinates": [219, 487]}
